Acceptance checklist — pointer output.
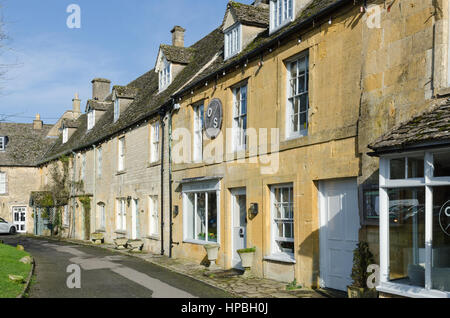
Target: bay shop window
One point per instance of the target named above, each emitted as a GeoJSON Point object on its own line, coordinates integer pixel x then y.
{"type": "Point", "coordinates": [415, 224]}
{"type": "Point", "coordinates": [201, 213]}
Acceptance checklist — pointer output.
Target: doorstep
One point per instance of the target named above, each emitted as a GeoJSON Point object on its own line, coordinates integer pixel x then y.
{"type": "Point", "coordinates": [236, 285]}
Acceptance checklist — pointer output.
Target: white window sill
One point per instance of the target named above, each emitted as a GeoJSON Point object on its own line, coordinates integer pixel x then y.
{"type": "Point", "coordinates": [120, 232]}
{"type": "Point", "coordinates": [282, 25]}
{"type": "Point", "coordinates": [283, 258]}
{"type": "Point", "coordinates": [153, 237]}
{"type": "Point", "coordinates": [198, 242]}
{"type": "Point", "coordinates": [411, 291]}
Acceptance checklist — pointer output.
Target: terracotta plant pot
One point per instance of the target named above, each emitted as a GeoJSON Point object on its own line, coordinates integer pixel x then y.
{"type": "Point", "coordinates": [356, 292]}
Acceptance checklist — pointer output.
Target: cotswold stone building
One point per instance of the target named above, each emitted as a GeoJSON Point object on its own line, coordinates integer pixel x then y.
{"type": "Point", "coordinates": [266, 133]}
{"type": "Point", "coordinates": [21, 147]}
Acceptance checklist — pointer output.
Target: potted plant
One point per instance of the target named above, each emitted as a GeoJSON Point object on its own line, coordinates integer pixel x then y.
{"type": "Point", "coordinates": [212, 250]}
{"type": "Point", "coordinates": [247, 255]}
{"type": "Point", "coordinates": [201, 236]}
{"type": "Point", "coordinates": [362, 258]}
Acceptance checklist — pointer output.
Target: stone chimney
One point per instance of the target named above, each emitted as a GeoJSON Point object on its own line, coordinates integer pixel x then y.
{"type": "Point", "coordinates": [37, 123]}
{"type": "Point", "coordinates": [178, 36]}
{"type": "Point", "coordinates": [100, 88]}
{"type": "Point", "coordinates": [76, 109]}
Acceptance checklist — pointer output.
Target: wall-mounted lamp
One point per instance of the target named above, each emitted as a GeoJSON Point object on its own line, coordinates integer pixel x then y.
{"type": "Point", "coordinates": [253, 210]}
{"type": "Point", "coordinates": [175, 211]}
{"type": "Point", "coordinates": [128, 201]}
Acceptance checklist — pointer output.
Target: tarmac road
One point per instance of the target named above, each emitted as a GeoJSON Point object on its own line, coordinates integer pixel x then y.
{"type": "Point", "coordinates": [104, 274]}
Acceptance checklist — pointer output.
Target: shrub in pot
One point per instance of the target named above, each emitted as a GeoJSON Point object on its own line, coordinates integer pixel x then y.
{"type": "Point", "coordinates": [362, 258]}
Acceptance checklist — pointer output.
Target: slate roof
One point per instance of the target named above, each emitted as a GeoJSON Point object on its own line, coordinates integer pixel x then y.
{"type": "Point", "coordinates": [25, 145]}
{"type": "Point", "coordinates": [176, 54]}
{"type": "Point", "coordinates": [250, 14]}
{"type": "Point", "coordinates": [431, 127]}
{"type": "Point", "coordinates": [200, 56]}
{"type": "Point", "coordinates": [70, 123]}
{"type": "Point", "coordinates": [97, 105]}
{"type": "Point", "coordinates": [125, 91]}
{"type": "Point", "coordinates": [147, 103]}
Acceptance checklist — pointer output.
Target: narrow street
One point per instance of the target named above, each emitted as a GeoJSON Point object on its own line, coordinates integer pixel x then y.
{"type": "Point", "coordinates": [104, 274]}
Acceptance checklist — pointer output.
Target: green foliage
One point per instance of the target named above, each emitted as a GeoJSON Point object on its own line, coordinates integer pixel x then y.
{"type": "Point", "coordinates": [362, 258]}
{"type": "Point", "coordinates": [9, 260]}
{"type": "Point", "coordinates": [293, 285]}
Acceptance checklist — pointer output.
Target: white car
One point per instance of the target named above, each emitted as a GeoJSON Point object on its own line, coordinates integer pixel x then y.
{"type": "Point", "coordinates": [7, 228]}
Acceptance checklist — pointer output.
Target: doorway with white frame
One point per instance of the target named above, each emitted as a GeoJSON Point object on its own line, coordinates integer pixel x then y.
{"type": "Point", "coordinates": [238, 224]}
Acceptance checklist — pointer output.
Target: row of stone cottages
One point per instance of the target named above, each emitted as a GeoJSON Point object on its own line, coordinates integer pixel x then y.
{"type": "Point", "coordinates": [297, 127]}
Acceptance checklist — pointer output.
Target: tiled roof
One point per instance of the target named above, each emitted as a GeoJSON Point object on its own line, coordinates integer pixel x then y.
{"type": "Point", "coordinates": [70, 123]}
{"type": "Point", "coordinates": [146, 104]}
{"type": "Point", "coordinates": [25, 145]}
{"type": "Point", "coordinates": [250, 14]}
{"type": "Point", "coordinates": [97, 105]}
{"type": "Point", "coordinates": [430, 127]}
{"type": "Point", "coordinates": [176, 54]}
{"type": "Point", "coordinates": [125, 91]}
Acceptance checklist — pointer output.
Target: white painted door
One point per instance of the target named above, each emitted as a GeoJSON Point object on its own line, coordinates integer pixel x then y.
{"type": "Point", "coordinates": [239, 224]}
{"type": "Point", "coordinates": [134, 223]}
{"type": "Point", "coordinates": [339, 226]}
{"type": "Point", "coordinates": [19, 217]}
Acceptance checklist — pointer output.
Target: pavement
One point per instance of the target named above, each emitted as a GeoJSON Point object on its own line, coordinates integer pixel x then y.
{"type": "Point", "coordinates": [107, 272]}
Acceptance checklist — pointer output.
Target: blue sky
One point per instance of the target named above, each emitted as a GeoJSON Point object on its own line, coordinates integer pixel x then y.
{"type": "Point", "coordinates": [118, 40]}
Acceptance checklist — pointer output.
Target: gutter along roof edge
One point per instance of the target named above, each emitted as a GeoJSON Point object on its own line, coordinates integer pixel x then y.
{"type": "Point", "coordinates": [331, 8]}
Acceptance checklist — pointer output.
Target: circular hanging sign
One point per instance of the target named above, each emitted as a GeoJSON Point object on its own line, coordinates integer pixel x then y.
{"type": "Point", "coordinates": [213, 118]}
{"type": "Point", "coordinates": [444, 218]}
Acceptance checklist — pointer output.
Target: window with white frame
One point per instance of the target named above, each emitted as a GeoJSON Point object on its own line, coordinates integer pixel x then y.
{"type": "Point", "coordinates": [121, 217]}
{"type": "Point", "coordinates": [281, 13]}
{"type": "Point", "coordinates": [282, 206]}
{"type": "Point", "coordinates": [116, 109]}
{"type": "Point", "coordinates": [240, 117]}
{"type": "Point", "coordinates": [121, 155]}
{"type": "Point", "coordinates": [65, 135]}
{"type": "Point", "coordinates": [3, 183]}
{"type": "Point", "coordinates": [165, 76]}
{"type": "Point", "coordinates": [91, 119]}
{"type": "Point", "coordinates": [233, 41]}
{"type": "Point", "coordinates": [201, 217]}
{"type": "Point", "coordinates": [153, 215]}
{"type": "Point", "coordinates": [101, 216]}
{"type": "Point", "coordinates": [2, 143]}
{"type": "Point", "coordinates": [298, 97]}
{"type": "Point", "coordinates": [66, 215]}
{"type": "Point", "coordinates": [198, 132]}
{"type": "Point", "coordinates": [154, 142]}
{"type": "Point", "coordinates": [415, 223]}
{"type": "Point", "coordinates": [99, 162]}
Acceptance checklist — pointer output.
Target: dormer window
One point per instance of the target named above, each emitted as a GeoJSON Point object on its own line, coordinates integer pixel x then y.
{"type": "Point", "coordinates": [165, 76]}
{"type": "Point", "coordinates": [91, 119]}
{"type": "Point", "coordinates": [116, 109]}
{"type": "Point", "coordinates": [233, 38]}
{"type": "Point", "coordinates": [281, 13]}
{"type": "Point", "coordinates": [65, 134]}
{"type": "Point", "coordinates": [2, 143]}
